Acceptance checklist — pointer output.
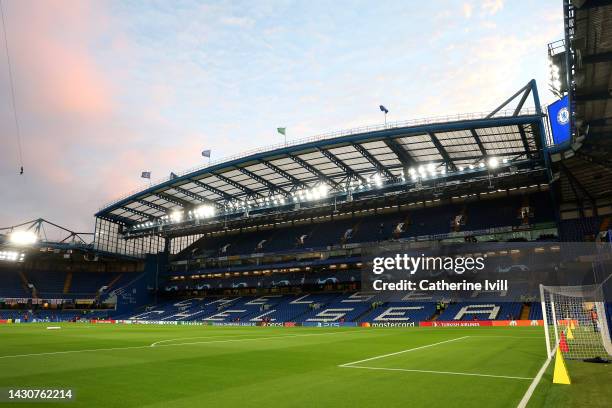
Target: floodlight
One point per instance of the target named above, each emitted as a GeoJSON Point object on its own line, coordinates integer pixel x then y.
{"type": "Point", "coordinates": [377, 180]}
{"type": "Point", "coordinates": [493, 162]}
{"type": "Point", "coordinates": [323, 190]}
{"type": "Point", "coordinates": [461, 168]}
{"type": "Point", "coordinates": [471, 167]}
{"type": "Point", "coordinates": [176, 216]}
{"type": "Point", "coordinates": [12, 256]}
{"type": "Point", "coordinates": [23, 237]}
{"type": "Point", "coordinates": [481, 165]}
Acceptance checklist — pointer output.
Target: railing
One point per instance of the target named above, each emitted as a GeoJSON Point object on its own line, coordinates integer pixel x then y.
{"type": "Point", "coordinates": [327, 136]}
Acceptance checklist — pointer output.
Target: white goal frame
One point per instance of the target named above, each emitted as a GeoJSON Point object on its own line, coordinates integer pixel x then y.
{"type": "Point", "coordinates": [575, 315]}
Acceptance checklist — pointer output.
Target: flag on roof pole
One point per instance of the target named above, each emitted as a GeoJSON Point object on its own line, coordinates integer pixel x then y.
{"type": "Point", "coordinates": [146, 174]}
{"type": "Point", "coordinates": [283, 131]}
{"type": "Point", "coordinates": [206, 153]}
{"type": "Point", "coordinates": [173, 175]}
{"type": "Point", "coordinates": [385, 111]}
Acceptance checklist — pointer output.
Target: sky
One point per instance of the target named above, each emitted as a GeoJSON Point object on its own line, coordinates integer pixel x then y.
{"type": "Point", "coordinates": [105, 90]}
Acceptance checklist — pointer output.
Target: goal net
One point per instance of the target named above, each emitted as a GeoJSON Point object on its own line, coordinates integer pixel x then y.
{"type": "Point", "coordinates": [575, 321]}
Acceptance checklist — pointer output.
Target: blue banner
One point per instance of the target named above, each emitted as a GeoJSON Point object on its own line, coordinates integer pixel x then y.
{"type": "Point", "coordinates": [559, 118]}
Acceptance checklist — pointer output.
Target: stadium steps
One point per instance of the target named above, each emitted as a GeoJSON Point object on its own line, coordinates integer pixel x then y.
{"type": "Point", "coordinates": [300, 316]}
{"type": "Point", "coordinates": [67, 283]}
{"type": "Point", "coordinates": [605, 224]}
{"type": "Point", "coordinates": [366, 312]}
{"type": "Point", "coordinates": [525, 217]}
{"type": "Point", "coordinates": [115, 279]}
{"type": "Point", "coordinates": [525, 311]}
{"type": "Point", "coordinates": [436, 315]}
{"type": "Point", "coordinates": [25, 283]}
{"type": "Point", "coordinates": [457, 225]}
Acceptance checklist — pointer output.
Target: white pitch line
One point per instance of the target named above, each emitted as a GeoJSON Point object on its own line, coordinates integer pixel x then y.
{"type": "Point", "coordinates": [50, 353]}
{"type": "Point", "coordinates": [509, 337]}
{"type": "Point", "coordinates": [253, 338]}
{"type": "Point", "coordinates": [401, 352]}
{"type": "Point", "coordinates": [197, 337]}
{"type": "Point", "coordinates": [534, 384]}
{"type": "Point", "coordinates": [439, 372]}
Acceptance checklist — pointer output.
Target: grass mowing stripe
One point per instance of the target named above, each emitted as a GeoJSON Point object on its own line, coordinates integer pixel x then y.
{"type": "Point", "coordinates": [437, 372]}
{"type": "Point", "coordinates": [176, 344]}
{"type": "Point", "coordinates": [403, 351]}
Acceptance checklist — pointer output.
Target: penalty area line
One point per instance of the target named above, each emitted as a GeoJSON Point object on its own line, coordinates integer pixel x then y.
{"type": "Point", "coordinates": [439, 372]}
{"type": "Point", "coordinates": [156, 344]}
{"type": "Point", "coordinates": [401, 352]}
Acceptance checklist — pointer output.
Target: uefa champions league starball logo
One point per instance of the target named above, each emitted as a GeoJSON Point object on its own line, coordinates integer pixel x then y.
{"type": "Point", "coordinates": [563, 116]}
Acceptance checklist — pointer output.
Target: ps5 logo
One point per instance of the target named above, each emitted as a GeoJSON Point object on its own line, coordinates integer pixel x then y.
{"type": "Point", "coordinates": [563, 116]}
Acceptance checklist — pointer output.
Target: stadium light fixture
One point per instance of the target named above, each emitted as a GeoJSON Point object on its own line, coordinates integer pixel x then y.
{"type": "Point", "coordinates": [204, 211]}
{"type": "Point", "coordinates": [432, 169]}
{"type": "Point", "coordinates": [12, 256]}
{"type": "Point", "coordinates": [377, 180]}
{"type": "Point", "coordinates": [324, 190]}
{"type": "Point", "coordinates": [176, 216]}
{"type": "Point", "coordinates": [23, 238]}
{"type": "Point", "coordinates": [471, 167]}
{"type": "Point", "coordinates": [481, 165]}
{"type": "Point", "coordinates": [493, 162]}
{"type": "Point", "coordinates": [461, 168]}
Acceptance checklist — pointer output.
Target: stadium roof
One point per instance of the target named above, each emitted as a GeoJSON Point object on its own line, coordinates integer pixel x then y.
{"type": "Point", "coordinates": [386, 152]}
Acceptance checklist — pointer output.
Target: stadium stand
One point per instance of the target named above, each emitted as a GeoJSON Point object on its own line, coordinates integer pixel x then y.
{"type": "Point", "coordinates": [260, 240]}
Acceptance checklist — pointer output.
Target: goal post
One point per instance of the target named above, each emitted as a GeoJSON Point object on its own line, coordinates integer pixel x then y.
{"type": "Point", "coordinates": [575, 320]}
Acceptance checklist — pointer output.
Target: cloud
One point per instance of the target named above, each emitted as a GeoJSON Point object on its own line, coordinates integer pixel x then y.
{"type": "Point", "coordinates": [107, 90]}
{"type": "Point", "coordinates": [467, 10]}
{"type": "Point", "coordinates": [242, 22]}
{"type": "Point", "coordinates": [491, 7]}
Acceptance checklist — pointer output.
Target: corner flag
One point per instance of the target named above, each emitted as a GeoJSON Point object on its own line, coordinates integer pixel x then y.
{"type": "Point", "coordinates": [282, 131]}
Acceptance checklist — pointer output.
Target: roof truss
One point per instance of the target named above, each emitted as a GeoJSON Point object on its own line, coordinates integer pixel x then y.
{"type": "Point", "coordinates": [374, 162]}
{"type": "Point", "coordinates": [271, 186]}
{"type": "Point", "coordinates": [342, 165]}
{"type": "Point", "coordinates": [313, 170]}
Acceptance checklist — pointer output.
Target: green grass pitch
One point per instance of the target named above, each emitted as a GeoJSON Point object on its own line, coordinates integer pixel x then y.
{"type": "Point", "coordinates": [205, 366]}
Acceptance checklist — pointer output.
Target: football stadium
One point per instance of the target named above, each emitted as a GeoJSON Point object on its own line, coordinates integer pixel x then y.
{"type": "Point", "coordinates": [453, 261]}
